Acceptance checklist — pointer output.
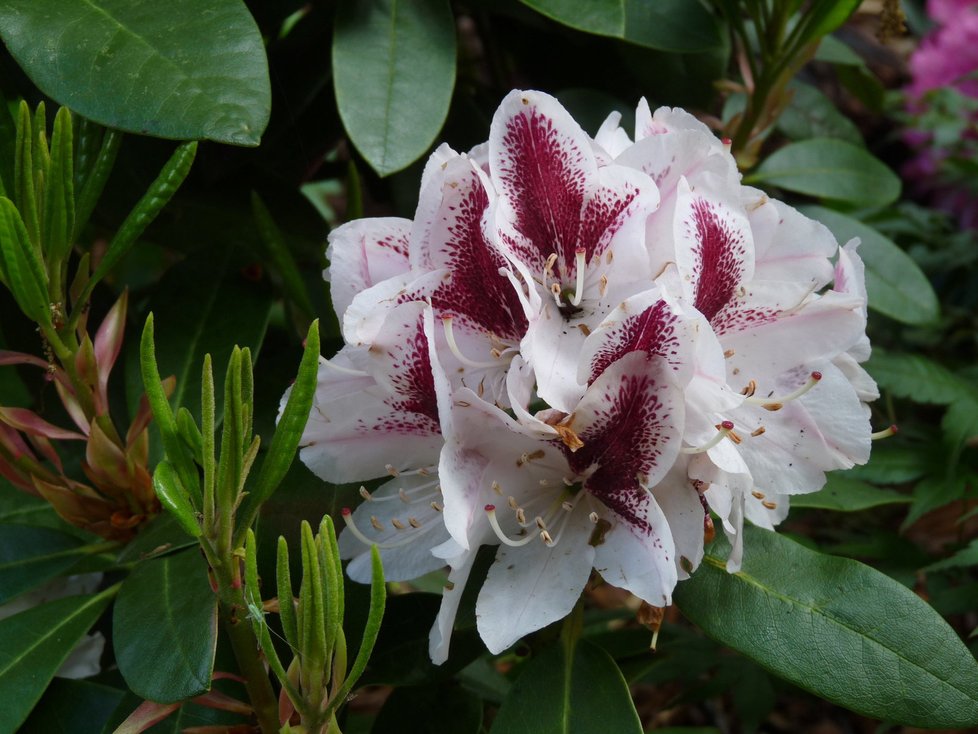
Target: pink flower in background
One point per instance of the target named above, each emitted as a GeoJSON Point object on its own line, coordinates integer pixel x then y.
{"type": "Point", "coordinates": [949, 53]}
{"type": "Point", "coordinates": [945, 65]}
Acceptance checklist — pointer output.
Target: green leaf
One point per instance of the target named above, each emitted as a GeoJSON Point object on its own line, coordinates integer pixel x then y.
{"type": "Point", "coordinates": [824, 16]}
{"type": "Point", "coordinates": [34, 644]}
{"type": "Point", "coordinates": [837, 628]}
{"type": "Point", "coordinates": [21, 267]}
{"type": "Point", "coordinates": [8, 148]}
{"type": "Point", "coordinates": [893, 463]}
{"type": "Point", "coordinates": [165, 628]}
{"type": "Point", "coordinates": [90, 189]}
{"type": "Point", "coordinates": [894, 283]}
{"type": "Point", "coordinates": [157, 196]}
{"type": "Point", "coordinates": [279, 255]}
{"type": "Point", "coordinates": [583, 695]}
{"type": "Point", "coordinates": [848, 495]}
{"type": "Point", "coordinates": [288, 433]}
{"type": "Point", "coordinates": [59, 194]}
{"type": "Point", "coordinates": [162, 535]}
{"type": "Point", "coordinates": [31, 556]}
{"type": "Point", "coordinates": [829, 169]}
{"type": "Point", "coordinates": [918, 378]}
{"type": "Point", "coordinates": [834, 51]}
{"type": "Point", "coordinates": [202, 305]}
{"type": "Point", "coordinates": [73, 707]}
{"type": "Point", "coordinates": [964, 558]}
{"type": "Point", "coordinates": [668, 25]}
{"type": "Point", "coordinates": [393, 71]}
{"type": "Point", "coordinates": [811, 114]}
{"type": "Point", "coordinates": [163, 69]}
{"type": "Point", "coordinates": [436, 709]}
{"type": "Point", "coordinates": [175, 498]}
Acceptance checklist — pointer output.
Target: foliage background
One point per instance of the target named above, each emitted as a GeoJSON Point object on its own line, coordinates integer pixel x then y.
{"type": "Point", "coordinates": [359, 93]}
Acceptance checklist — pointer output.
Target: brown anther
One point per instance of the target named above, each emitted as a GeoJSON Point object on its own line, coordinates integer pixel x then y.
{"type": "Point", "coordinates": [398, 524]}
{"type": "Point", "coordinates": [449, 586]}
{"type": "Point", "coordinates": [770, 505]}
{"type": "Point", "coordinates": [540, 523]}
{"type": "Point", "coordinates": [376, 523]}
{"type": "Point", "coordinates": [584, 329]}
{"type": "Point", "coordinates": [570, 439]}
{"type": "Point", "coordinates": [602, 285]}
{"type": "Point", "coordinates": [773, 406]}
{"type": "Point", "coordinates": [709, 531]}
{"type": "Point", "coordinates": [437, 507]}
{"type": "Point", "coordinates": [732, 435]}
{"type": "Point", "coordinates": [520, 516]}
{"type": "Point", "coordinates": [413, 522]}
{"type": "Point", "coordinates": [545, 537]}
{"type": "Point", "coordinates": [728, 354]}
{"type": "Point", "coordinates": [758, 431]}
{"type": "Point", "coordinates": [759, 495]}
{"type": "Point", "coordinates": [700, 486]}
{"type": "Point", "coordinates": [513, 504]}
{"type": "Point", "coordinates": [497, 489]}
{"type": "Point", "coordinates": [750, 389]}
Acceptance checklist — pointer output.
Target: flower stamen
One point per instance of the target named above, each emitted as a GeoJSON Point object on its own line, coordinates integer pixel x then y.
{"type": "Point", "coordinates": [579, 257]}
{"type": "Point", "coordinates": [885, 433]}
{"type": "Point", "coordinates": [778, 403]}
{"type": "Point", "coordinates": [505, 539]}
{"type": "Point", "coordinates": [359, 535]}
{"type": "Point", "coordinates": [723, 430]}
{"type": "Point", "coordinates": [446, 322]}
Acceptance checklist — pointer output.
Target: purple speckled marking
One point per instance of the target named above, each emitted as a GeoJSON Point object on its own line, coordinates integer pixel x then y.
{"type": "Point", "coordinates": [719, 263]}
{"type": "Point", "coordinates": [653, 331]}
{"type": "Point", "coordinates": [476, 290]}
{"type": "Point", "coordinates": [623, 443]}
{"type": "Point", "coordinates": [413, 406]}
{"type": "Point", "coordinates": [545, 179]}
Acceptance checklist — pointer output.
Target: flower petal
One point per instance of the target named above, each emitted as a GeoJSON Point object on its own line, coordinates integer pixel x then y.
{"type": "Point", "coordinates": [631, 423]}
{"type": "Point", "coordinates": [529, 587]}
{"type": "Point", "coordinates": [543, 167]}
{"type": "Point", "coordinates": [365, 252]}
{"type": "Point", "coordinates": [642, 561]}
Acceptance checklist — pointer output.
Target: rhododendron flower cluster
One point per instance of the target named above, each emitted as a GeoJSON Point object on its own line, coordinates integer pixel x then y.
{"type": "Point", "coordinates": [576, 350]}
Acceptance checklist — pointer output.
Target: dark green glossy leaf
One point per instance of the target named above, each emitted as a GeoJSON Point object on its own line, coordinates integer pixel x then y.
{"type": "Point", "coordinates": [393, 71]}
{"type": "Point", "coordinates": [811, 114]}
{"type": "Point", "coordinates": [918, 378]}
{"type": "Point", "coordinates": [203, 305]}
{"type": "Point", "coordinates": [848, 495]}
{"type": "Point", "coordinates": [829, 169]}
{"type": "Point", "coordinates": [837, 628]}
{"type": "Point", "coordinates": [668, 25]}
{"type": "Point", "coordinates": [31, 556]}
{"type": "Point", "coordinates": [34, 644]}
{"type": "Point", "coordinates": [162, 535]}
{"type": "Point", "coordinates": [165, 627]}
{"type": "Point", "coordinates": [73, 707]}
{"type": "Point", "coordinates": [163, 69]}
{"type": "Point", "coordinates": [584, 695]}
{"type": "Point", "coordinates": [444, 709]}
{"type": "Point", "coordinates": [894, 283]}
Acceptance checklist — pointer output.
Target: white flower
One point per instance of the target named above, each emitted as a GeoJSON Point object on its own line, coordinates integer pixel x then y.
{"type": "Point", "coordinates": [576, 350]}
